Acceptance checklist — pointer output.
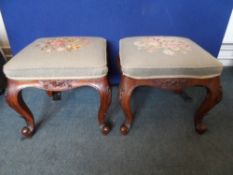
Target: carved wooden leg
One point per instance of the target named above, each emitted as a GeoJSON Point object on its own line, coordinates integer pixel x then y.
{"type": "Point", "coordinates": [15, 100]}
{"type": "Point", "coordinates": [105, 100]}
{"type": "Point", "coordinates": [214, 96]}
{"type": "Point", "coordinates": [125, 93]}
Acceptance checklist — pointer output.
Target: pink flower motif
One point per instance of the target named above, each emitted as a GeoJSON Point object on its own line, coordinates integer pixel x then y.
{"type": "Point", "coordinates": [62, 44]}
{"type": "Point", "coordinates": [169, 46]}
{"type": "Point", "coordinates": [58, 43]}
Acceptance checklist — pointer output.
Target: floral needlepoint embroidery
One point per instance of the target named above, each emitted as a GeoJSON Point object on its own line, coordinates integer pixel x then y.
{"type": "Point", "coordinates": [169, 46]}
{"type": "Point", "coordinates": [62, 44]}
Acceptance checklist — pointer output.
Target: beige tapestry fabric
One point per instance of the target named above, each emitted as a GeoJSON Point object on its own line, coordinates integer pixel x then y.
{"type": "Point", "coordinates": [148, 57]}
{"type": "Point", "coordinates": [60, 58]}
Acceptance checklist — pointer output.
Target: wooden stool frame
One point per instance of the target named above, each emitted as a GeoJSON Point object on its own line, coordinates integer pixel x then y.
{"type": "Point", "coordinates": [15, 100]}
{"type": "Point", "coordinates": [213, 96]}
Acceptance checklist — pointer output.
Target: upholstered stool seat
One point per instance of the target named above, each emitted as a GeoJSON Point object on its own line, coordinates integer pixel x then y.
{"type": "Point", "coordinates": [55, 65]}
{"type": "Point", "coordinates": [158, 57]}
{"type": "Point", "coordinates": [60, 58]}
{"type": "Point", "coordinates": [170, 63]}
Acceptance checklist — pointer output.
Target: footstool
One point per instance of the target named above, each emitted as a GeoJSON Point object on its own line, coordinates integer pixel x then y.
{"type": "Point", "coordinates": [58, 64]}
{"type": "Point", "coordinates": [170, 63]}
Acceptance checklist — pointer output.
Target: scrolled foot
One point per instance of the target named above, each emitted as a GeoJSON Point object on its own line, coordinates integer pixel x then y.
{"type": "Point", "coordinates": [201, 128]}
{"type": "Point", "coordinates": [27, 132]}
{"type": "Point", "coordinates": [105, 128]}
{"type": "Point", "coordinates": [124, 129]}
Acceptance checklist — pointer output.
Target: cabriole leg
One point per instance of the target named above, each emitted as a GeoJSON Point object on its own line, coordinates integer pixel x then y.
{"type": "Point", "coordinates": [125, 93]}
{"type": "Point", "coordinates": [213, 97]}
{"type": "Point", "coordinates": [105, 100]}
{"type": "Point", "coordinates": [15, 101]}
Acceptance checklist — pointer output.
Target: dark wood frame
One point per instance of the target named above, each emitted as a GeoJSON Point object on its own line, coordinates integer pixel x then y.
{"type": "Point", "coordinates": [15, 100]}
{"type": "Point", "coordinates": [212, 85]}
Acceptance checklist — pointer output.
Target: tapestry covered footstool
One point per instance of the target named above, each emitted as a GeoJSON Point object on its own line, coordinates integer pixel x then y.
{"type": "Point", "coordinates": [170, 63]}
{"type": "Point", "coordinates": [58, 64]}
